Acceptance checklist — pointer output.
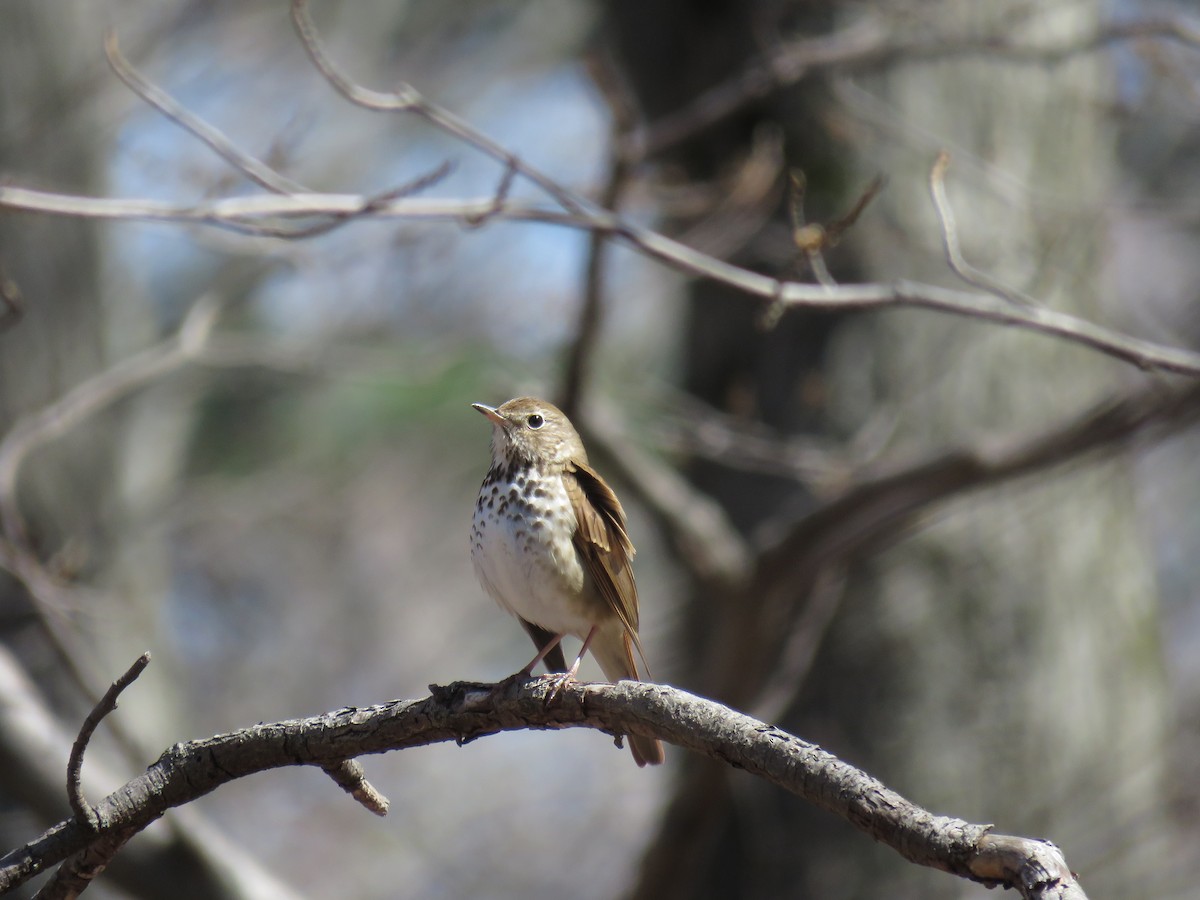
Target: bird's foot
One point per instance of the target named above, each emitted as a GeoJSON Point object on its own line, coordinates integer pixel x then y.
{"type": "Point", "coordinates": [559, 681]}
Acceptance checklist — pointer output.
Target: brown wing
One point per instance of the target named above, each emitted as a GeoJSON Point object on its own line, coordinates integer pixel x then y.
{"type": "Point", "coordinates": [603, 544]}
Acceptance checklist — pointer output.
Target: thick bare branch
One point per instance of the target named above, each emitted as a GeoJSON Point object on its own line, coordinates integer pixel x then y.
{"type": "Point", "coordinates": [463, 712]}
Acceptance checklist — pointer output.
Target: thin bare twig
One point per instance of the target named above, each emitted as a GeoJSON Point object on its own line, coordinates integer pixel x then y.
{"type": "Point", "coordinates": [59, 417]}
{"type": "Point", "coordinates": [351, 778]}
{"type": "Point", "coordinates": [806, 634]}
{"type": "Point", "coordinates": [620, 171]}
{"type": "Point", "coordinates": [79, 805]}
{"type": "Point", "coordinates": [254, 169]}
{"type": "Point", "coordinates": [954, 256]}
{"type": "Point", "coordinates": [707, 543]}
{"type": "Point", "coordinates": [499, 197]}
{"type": "Point", "coordinates": [407, 99]}
{"type": "Point", "coordinates": [812, 239]}
{"type": "Point", "coordinates": [370, 205]}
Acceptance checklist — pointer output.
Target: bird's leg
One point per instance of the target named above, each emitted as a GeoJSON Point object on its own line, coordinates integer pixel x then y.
{"type": "Point", "coordinates": [542, 654]}
{"type": "Point", "coordinates": [568, 676]}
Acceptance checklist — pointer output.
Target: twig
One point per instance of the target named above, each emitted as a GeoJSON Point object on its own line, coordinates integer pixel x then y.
{"type": "Point", "coordinates": [407, 99]}
{"type": "Point", "coordinates": [89, 397]}
{"type": "Point", "coordinates": [954, 256]}
{"type": "Point", "coordinates": [235, 213]}
{"type": "Point", "coordinates": [79, 805]}
{"type": "Point", "coordinates": [369, 206]}
{"type": "Point", "coordinates": [620, 169]}
{"type": "Point", "coordinates": [885, 501]}
{"type": "Point", "coordinates": [737, 205]}
{"type": "Point", "coordinates": [698, 430]}
{"type": "Point", "coordinates": [871, 44]}
{"type": "Point", "coordinates": [41, 427]}
{"type": "Point", "coordinates": [254, 169]}
{"type": "Point", "coordinates": [499, 197]}
{"type": "Point", "coordinates": [351, 778]}
{"type": "Point", "coordinates": [464, 712]}
{"type": "Point", "coordinates": [806, 633]}
{"type": "Point", "coordinates": [813, 239]}
{"type": "Point", "coordinates": [705, 539]}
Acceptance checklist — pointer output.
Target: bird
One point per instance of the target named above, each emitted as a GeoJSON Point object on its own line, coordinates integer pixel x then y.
{"type": "Point", "coordinates": [549, 544]}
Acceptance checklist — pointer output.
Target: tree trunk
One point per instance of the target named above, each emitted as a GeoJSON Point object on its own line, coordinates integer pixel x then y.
{"type": "Point", "coordinates": [1002, 664]}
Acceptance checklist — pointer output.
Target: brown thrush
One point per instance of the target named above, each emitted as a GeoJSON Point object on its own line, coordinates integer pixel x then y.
{"type": "Point", "coordinates": [549, 544]}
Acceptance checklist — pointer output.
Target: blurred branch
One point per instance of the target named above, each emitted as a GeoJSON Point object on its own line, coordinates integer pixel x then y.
{"type": "Point", "coordinates": [805, 635]}
{"type": "Point", "coordinates": [406, 99]}
{"type": "Point", "coordinates": [242, 214]}
{"type": "Point", "coordinates": [882, 503]}
{"type": "Point", "coordinates": [739, 203]}
{"type": "Point", "coordinates": [39, 428]}
{"type": "Point", "coordinates": [812, 239]}
{"type": "Point", "coordinates": [695, 524]}
{"type": "Point", "coordinates": [463, 712]}
{"type": "Point", "coordinates": [254, 169]}
{"type": "Point", "coordinates": [701, 431]}
{"type": "Point", "coordinates": [870, 44]}
{"type": "Point", "coordinates": [620, 170]}
{"type": "Point", "coordinates": [954, 256]}
{"type": "Point", "coordinates": [53, 421]}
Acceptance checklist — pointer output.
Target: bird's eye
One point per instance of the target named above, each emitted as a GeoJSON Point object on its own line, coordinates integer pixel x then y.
{"type": "Point", "coordinates": [535, 421]}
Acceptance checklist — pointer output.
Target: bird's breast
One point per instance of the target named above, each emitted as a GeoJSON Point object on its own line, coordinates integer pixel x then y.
{"type": "Point", "coordinates": [523, 549]}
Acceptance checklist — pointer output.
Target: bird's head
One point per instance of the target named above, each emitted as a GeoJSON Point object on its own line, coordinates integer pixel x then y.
{"type": "Point", "coordinates": [528, 430]}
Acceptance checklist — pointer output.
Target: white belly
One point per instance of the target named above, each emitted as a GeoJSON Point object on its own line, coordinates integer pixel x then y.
{"type": "Point", "coordinates": [531, 576]}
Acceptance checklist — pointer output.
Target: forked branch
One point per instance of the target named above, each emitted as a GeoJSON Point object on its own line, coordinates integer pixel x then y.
{"type": "Point", "coordinates": [465, 711]}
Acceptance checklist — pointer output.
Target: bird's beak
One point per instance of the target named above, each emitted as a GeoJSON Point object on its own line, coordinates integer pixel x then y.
{"type": "Point", "coordinates": [491, 412]}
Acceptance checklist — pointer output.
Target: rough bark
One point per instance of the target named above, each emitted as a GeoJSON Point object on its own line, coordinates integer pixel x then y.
{"type": "Point", "coordinates": [463, 712]}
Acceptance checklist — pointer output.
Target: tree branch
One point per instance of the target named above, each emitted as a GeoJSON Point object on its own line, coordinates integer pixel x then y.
{"type": "Point", "coordinates": [254, 169]}
{"type": "Point", "coordinates": [870, 44]}
{"type": "Point", "coordinates": [247, 214]}
{"type": "Point", "coordinates": [465, 711]}
{"type": "Point", "coordinates": [884, 501]}
{"type": "Point", "coordinates": [106, 704]}
{"type": "Point", "coordinates": [620, 171]}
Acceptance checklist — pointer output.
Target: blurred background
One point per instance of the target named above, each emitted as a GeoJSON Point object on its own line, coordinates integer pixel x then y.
{"type": "Point", "coordinates": [899, 534]}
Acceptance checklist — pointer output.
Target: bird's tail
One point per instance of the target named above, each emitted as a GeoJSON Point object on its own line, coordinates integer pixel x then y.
{"type": "Point", "coordinates": [614, 652]}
